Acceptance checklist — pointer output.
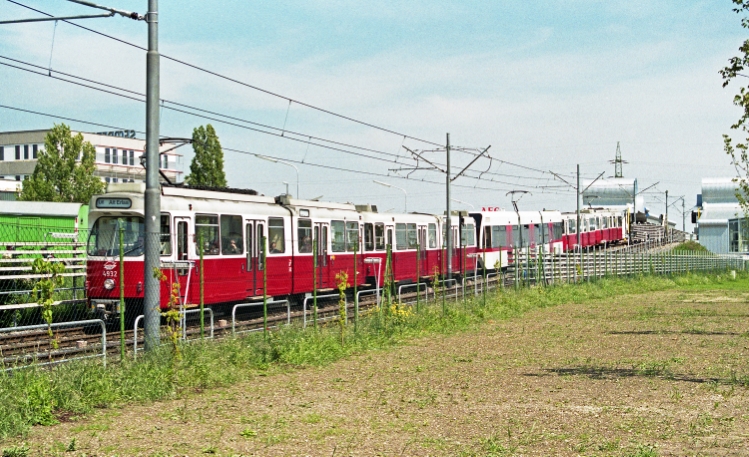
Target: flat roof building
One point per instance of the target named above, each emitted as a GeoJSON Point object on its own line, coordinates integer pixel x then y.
{"type": "Point", "coordinates": [720, 219]}
{"type": "Point", "coordinates": [117, 155]}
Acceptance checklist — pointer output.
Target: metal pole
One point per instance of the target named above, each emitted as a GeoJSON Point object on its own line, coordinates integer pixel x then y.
{"type": "Point", "coordinates": [202, 288]}
{"type": "Point", "coordinates": [265, 290]}
{"type": "Point", "coordinates": [665, 219]}
{"type": "Point", "coordinates": [418, 274]}
{"type": "Point", "coordinates": [314, 281]}
{"type": "Point", "coordinates": [356, 282]}
{"type": "Point", "coordinates": [151, 308]}
{"type": "Point", "coordinates": [122, 295]}
{"type": "Point", "coordinates": [484, 285]}
{"type": "Point", "coordinates": [448, 229]}
{"type": "Point", "coordinates": [579, 226]}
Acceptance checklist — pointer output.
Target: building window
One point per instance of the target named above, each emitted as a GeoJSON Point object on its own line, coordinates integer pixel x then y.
{"type": "Point", "coordinates": [738, 236]}
{"type": "Point", "coordinates": [18, 177]}
{"type": "Point", "coordinates": [35, 150]}
{"type": "Point", "coordinates": [164, 161]}
{"type": "Point", "coordinates": [114, 155]}
{"type": "Point", "coordinates": [107, 157]}
{"type": "Point", "coordinates": [2, 153]}
{"type": "Point", "coordinates": [25, 152]}
{"type": "Point", "coordinates": [132, 157]}
{"type": "Point", "coordinates": [18, 155]}
{"type": "Point", "coordinates": [107, 179]}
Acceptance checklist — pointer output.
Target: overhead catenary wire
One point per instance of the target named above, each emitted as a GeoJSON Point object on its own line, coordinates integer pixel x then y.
{"type": "Point", "coordinates": [289, 99]}
{"type": "Point", "coordinates": [242, 83]}
{"type": "Point", "coordinates": [295, 136]}
{"type": "Point", "coordinates": [57, 116]}
{"type": "Point", "coordinates": [312, 164]}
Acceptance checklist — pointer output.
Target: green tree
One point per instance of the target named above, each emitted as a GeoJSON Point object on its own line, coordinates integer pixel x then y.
{"type": "Point", "coordinates": [207, 167]}
{"type": "Point", "coordinates": [64, 171]}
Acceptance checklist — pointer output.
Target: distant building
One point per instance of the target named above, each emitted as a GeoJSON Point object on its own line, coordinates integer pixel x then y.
{"type": "Point", "coordinates": [614, 193]}
{"type": "Point", "coordinates": [721, 227]}
{"type": "Point", "coordinates": [117, 156]}
{"type": "Point", "coordinates": [8, 190]}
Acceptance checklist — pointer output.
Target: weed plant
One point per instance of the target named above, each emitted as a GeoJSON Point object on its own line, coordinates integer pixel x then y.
{"type": "Point", "coordinates": [38, 396]}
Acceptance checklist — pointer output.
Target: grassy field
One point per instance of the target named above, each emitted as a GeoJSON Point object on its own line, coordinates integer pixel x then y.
{"type": "Point", "coordinates": [590, 370]}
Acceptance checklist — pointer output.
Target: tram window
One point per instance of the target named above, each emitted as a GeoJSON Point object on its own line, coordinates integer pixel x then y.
{"type": "Point", "coordinates": [558, 229]}
{"type": "Point", "coordinates": [432, 236]}
{"type": "Point", "coordinates": [571, 226]}
{"type": "Point", "coordinates": [499, 236]}
{"type": "Point", "coordinates": [525, 235]}
{"type": "Point", "coordinates": [232, 242]}
{"type": "Point", "coordinates": [413, 236]}
{"type": "Point", "coordinates": [536, 237]}
{"type": "Point", "coordinates": [104, 239]}
{"type": "Point", "coordinates": [259, 248]}
{"type": "Point", "coordinates": [488, 236]}
{"type": "Point", "coordinates": [379, 236]}
{"type": "Point", "coordinates": [166, 235]}
{"type": "Point", "coordinates": [352, 236]}
{"type": "Point", "coordinates": [276, 236]}
{"type": "Point", "coordinates": [390, 236]}
{"type": "Point", "coordinates": [605, 222]}
{"type": "Point", "coordinates": [548, 235]}
{"type": "Point", "coordinates": [338, 235]}
{"type": "Point", "coordinates": [182, 240]}
{"type": "Point", "coordinates": [401, 236]}
{"type": "Point", "coordinates": [592, 224]}
{"type": "Point", "coordinates": [207, 232]}
{"type": "Point", "coordinates": [304, 236]}
{"type": "Point", "coordinates": [368, 237]}
{"type": "Point", "coordinates": [467, 235]}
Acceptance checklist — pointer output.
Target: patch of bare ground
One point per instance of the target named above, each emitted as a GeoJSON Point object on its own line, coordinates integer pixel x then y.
{"type": "Point", "coordinates": [660, 374]}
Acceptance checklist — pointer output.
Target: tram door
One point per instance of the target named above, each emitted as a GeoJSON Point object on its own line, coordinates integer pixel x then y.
{"type": "Point", "coordinates": [321, 231]}
{"type": "Point", "coordinates": [422, 252]}
{"type": "Point", "coordinates": [254, 231]}
{"type": "Point", "coordinates": [182, 226]}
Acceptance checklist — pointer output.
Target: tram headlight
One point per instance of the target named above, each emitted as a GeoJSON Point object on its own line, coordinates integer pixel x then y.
{"type": "Point", "coordinates": [109, 283]}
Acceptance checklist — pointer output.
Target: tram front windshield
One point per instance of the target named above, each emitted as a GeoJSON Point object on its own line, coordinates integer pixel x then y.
{"type": "Point", "coordinates": [104, 239]}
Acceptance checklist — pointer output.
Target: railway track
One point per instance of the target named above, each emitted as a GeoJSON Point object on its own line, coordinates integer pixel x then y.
{"type": "Point", "coordinates": [23, 348]}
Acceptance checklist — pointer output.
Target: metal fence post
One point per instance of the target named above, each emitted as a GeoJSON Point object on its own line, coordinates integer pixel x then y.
{"type": "Point", "coordinates": [418, 274]}
{"type": "Point", "coordinates": [202, 288]}
{"type": "Point", "coordinates": [356, 286]}
{"type": "Point", "coordinates": [314, 283]}
{"type": "Point", "coordinates": [122, 295]}
{"type": "Point", "coordinates": [265, 290]}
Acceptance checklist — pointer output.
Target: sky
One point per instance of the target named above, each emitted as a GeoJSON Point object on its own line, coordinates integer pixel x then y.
{"type": "Point", "coordinates": [544, 85]}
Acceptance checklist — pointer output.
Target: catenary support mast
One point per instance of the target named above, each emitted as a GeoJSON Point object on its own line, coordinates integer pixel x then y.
{"type": "Point", "coordinates": [448, 224]}
{"type": "Point", "coordinates": [153, 191]}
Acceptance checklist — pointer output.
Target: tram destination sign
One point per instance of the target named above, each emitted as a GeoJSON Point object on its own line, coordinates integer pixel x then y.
{"type": "Point", "coordinates": [114, 203]}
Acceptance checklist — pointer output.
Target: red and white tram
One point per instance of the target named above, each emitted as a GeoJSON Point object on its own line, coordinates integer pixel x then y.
{"type": "Point", "coordinates": [500, 233]}
{"type": "Point", "coordinates": [598, 226]}
{"type": "Point", "coordinates": [229, 227]}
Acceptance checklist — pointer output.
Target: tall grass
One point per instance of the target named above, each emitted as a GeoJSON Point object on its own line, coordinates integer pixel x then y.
{"type": "Point", "coordinates": [39, 396]}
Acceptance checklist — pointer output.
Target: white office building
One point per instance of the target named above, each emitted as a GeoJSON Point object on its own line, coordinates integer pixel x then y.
{"type": "Point", "coordinates": [117, 156]}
